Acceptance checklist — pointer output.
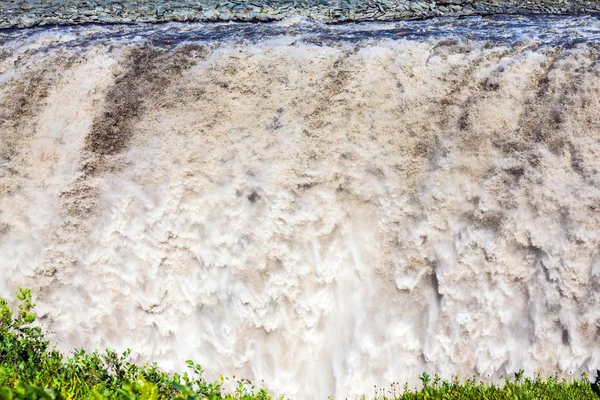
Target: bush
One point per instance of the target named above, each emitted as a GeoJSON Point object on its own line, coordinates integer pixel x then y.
{"type": "Point", "coordinates": [515, 388]}
{"type": "Point", "coordinates": [31, 369]}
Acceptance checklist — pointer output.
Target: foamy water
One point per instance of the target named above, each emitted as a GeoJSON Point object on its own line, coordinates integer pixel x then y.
{"type": "Point", "coordinates": [324, 208]}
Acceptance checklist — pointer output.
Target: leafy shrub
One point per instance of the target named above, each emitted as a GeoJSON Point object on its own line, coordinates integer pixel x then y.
{"type": "Point", "coordinates": [515, 388]}
{"type": "Point", "coordinates": [30, 370]}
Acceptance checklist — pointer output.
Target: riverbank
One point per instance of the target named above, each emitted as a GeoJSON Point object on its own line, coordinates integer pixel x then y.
{"type": "Point", "coordinates": [29, 13]}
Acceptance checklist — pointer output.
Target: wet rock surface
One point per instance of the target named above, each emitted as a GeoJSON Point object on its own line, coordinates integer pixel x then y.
{"type": "Point", "coordinates": [29, 13]}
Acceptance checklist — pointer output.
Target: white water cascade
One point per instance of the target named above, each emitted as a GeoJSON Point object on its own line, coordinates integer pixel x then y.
{"type": "Point", "coordinates": [322, 208]}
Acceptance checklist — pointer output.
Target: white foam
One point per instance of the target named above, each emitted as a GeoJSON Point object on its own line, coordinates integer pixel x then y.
{"type": "Point", "coordinates": [315, 216]}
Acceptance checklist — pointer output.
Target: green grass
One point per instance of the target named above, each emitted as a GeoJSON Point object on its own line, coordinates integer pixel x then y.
{"type": "Point", "coordinates": [31, 369]}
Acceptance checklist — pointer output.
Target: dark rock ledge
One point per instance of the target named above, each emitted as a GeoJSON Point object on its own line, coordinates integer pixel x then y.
{"type": "Point", "coordinates": [28, 13]}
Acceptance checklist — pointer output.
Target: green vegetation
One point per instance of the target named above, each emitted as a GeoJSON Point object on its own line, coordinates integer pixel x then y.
{"type": "Point", "coordinates": [31, 369]}
{"type": "Point", "coordinates": [517, 388]}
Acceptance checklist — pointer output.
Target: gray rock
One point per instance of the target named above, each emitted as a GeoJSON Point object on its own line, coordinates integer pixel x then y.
{"type": "Point", "coordinates": [23, 13]}
{"type": "Point", "coordinates": [28, 22]}
{"type": "Point", "coordinates": [211, 14]}
{"type": "Point", "coordinates": [415, 7]}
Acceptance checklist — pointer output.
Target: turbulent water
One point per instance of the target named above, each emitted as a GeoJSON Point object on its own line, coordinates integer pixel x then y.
{"type": "Point", "coordinates": [324, 208]}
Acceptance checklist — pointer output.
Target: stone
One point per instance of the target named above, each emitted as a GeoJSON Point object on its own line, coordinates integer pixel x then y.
{"type": "Point", "coordinates": [27, 22]}
{"type": "Point", "coordinates": [51, 21]}
{"type": "Point", "coordinates": [24, 13]}
{"type": "Point", "coordinates": [210, 14]}
{"type": "Point", "coordinates": [130, 8]}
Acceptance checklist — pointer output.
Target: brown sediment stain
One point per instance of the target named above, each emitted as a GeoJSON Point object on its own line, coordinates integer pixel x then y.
{"type": "Point", "coordinates": [20, 103]}
{"type": "Point", "coordinates": [474, 89]}
{"type": "Point", "coordinates": [543, 116]}
{"type": "Point", "coordinates": [419, 149]}
{"type": "Point", "coordinates": [334, 83]}
{"type": "Point", "coordinates": [148, 73]}
{"type": "Point", "coordinates": [17, 108]}
{"type": "Point", "coordinates": [558, 99]}
{"type": "Point", "coordinates": [4, 229]}
{"type": "Point", "coordinates": [491, 220]}
{"type": "Point", "coordinates": [79, 200]}
{"type": "Point", "coordinates": [454, 109]}
{"type": "Point", "coordinates": [459, 80]}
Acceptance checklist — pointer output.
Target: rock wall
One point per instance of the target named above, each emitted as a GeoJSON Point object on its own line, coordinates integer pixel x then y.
{"type": "Point", "coordinates": [28, 13]}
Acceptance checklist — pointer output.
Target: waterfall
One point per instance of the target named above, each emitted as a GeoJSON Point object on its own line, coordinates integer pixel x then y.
{"type": "Point", "coordinates": [315, 208]}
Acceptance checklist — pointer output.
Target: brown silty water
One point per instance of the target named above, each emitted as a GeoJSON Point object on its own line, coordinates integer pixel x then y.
{"type": "Point", "coordinates": [322, 211]}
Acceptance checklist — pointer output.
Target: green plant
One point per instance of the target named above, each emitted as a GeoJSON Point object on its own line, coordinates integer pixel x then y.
{"type": "Point", "coordinates": [32, 370]}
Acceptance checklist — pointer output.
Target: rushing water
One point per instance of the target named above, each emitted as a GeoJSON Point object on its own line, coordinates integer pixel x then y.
{"type": "Point", "coordinates": [324, 208]}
